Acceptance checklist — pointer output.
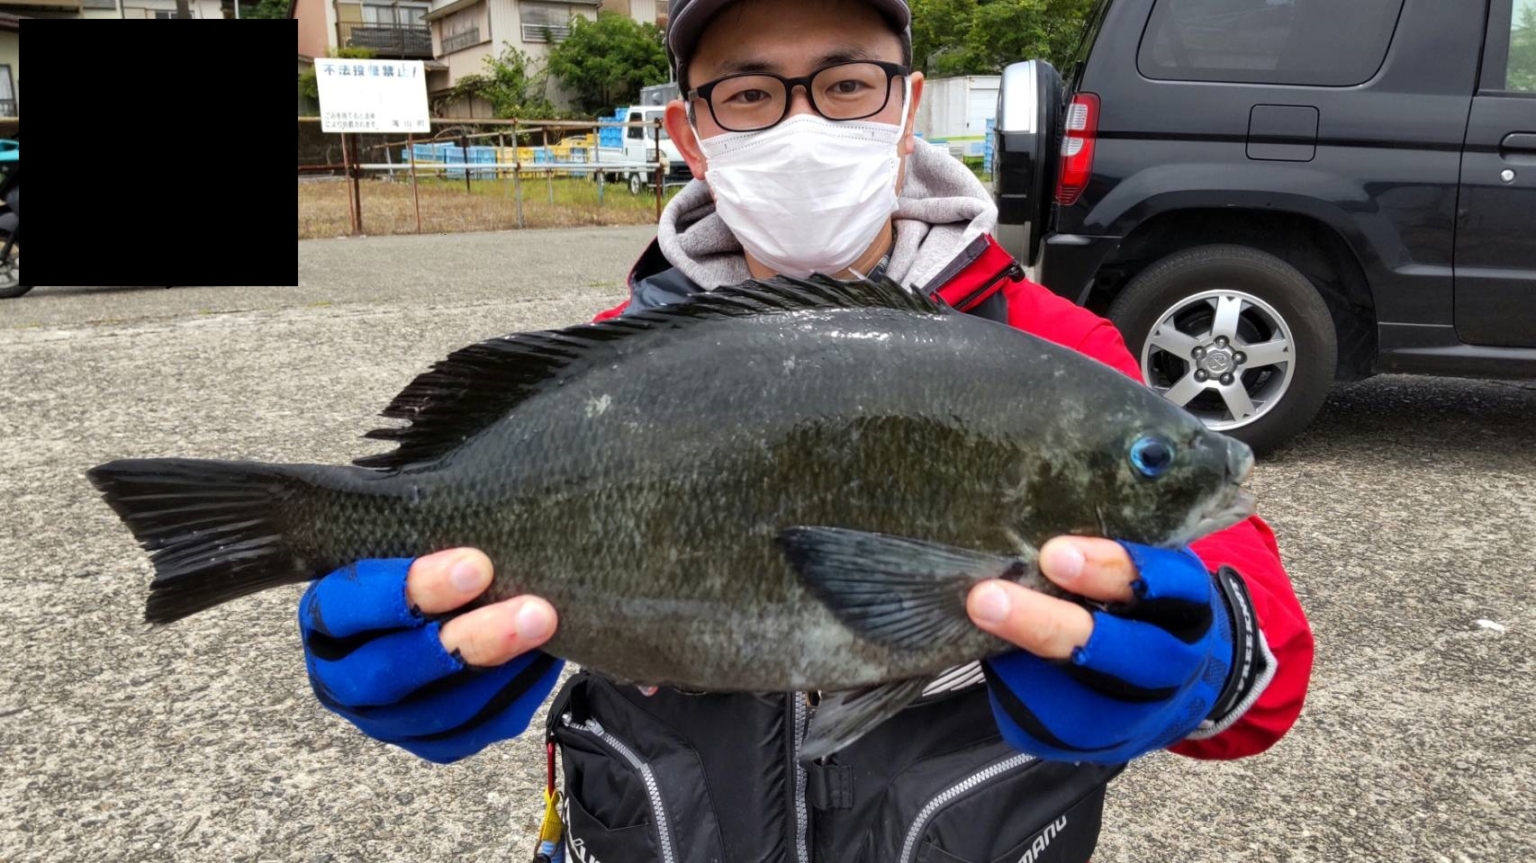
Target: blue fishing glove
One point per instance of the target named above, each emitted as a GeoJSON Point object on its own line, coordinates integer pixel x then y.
{"type": "Point", "coordinates": [1152, 671]}
{"type": "Point", "coordinates": [381, 665]}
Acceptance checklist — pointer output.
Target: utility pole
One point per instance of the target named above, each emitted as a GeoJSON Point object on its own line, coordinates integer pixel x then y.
{"type": "Point", "coordinates": [182, 9]}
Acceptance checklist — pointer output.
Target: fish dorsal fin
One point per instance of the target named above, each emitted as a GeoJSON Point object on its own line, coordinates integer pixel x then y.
{"type": "Point", "coordinates": [475, 386]}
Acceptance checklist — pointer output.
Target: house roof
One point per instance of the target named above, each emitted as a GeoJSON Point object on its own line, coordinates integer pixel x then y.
{"type": "Point", "coordinates": [305, 58]}
{"type": "Point", "coordinates": [451, 8]}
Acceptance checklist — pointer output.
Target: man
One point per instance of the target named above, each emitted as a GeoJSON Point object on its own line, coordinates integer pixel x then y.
{"type": "Point", "coordinates": [797, 122]}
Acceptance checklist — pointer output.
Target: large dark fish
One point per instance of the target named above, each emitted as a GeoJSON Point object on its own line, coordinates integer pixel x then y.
{"type": "Point", "coordinates": [786, 485]}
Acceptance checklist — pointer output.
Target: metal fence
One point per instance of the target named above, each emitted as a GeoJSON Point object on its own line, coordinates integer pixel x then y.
{"type": "Point", "coordinates": [521, 155]}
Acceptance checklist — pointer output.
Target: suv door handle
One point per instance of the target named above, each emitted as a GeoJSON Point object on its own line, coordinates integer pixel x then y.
{"type": "Point", "coordinates": [1518, 141]}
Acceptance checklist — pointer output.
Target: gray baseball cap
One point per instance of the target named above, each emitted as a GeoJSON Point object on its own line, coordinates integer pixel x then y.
{"type": "Point", "coordinates": [687, 18]}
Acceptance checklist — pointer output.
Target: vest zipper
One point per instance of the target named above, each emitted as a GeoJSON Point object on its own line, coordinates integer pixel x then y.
{"type": "Point", "coordinates": [1013, 269]}
{"type": "Point", "coordinates": [663, 826]}
{"type": "Point", "coordinates": [802, 850]}
{"type": "Point", "coordinates": [909, 847]}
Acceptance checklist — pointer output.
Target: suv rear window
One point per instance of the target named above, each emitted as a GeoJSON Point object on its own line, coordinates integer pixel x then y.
{"type": "Point", "coordinates": [1336, 43]}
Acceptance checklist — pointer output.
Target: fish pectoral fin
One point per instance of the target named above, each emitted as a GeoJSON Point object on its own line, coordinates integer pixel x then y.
{"type": "Point", "coordinates": [843, 717]}
{"type": "Point", "coordinates": [903, 592]}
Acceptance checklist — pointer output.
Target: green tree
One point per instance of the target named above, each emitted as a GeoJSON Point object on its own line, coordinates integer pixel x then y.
{"type": "Point", "coordinates": [1522, 52]}
{"type": "Point", "coordinates": [308, 84]}
{"type": "Point", "coordinates": [512, 83]}
{"type": "Point", "coordinates": [980, 37]}
{"type": "Point", "coordinates": [606, 62]}
{"type": "Point", "coordinates": [264, 9]}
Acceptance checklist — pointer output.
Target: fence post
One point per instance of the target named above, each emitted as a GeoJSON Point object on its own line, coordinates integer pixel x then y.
{"type": "Point", "coordinates": [549, 175]}
{"type": "Point", "coordinates": [353, 200]}
{"type": "Point", "coordinates": [464, 145]}
{"type": "Point", "coordinates": [597, 159]}
{"type": "Point", "coordinates": [410, 144]}
{"type": "Point", "coordinates": [517, 173]}
{"type": "Point", "coordinates": [357, 174]}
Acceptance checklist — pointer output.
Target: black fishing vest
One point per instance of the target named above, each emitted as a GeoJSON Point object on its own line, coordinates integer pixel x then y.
{"type": "Point", "coordinates": [682, 777]}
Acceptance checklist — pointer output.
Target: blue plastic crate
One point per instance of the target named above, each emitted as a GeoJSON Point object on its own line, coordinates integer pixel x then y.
{"type": "Point", "coordinates": [612, 136]}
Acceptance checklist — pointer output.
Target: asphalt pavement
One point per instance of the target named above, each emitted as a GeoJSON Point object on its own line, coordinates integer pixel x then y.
{"type": "Point", "coordinates": [1406, 517]}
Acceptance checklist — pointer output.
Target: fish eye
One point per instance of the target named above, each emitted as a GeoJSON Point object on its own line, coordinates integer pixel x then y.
{"type": "Point", "coordinates": [1151, 455]}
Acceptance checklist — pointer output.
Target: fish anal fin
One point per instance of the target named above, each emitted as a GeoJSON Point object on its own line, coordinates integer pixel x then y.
{"type": "Point", "coordinates": [843, 717]}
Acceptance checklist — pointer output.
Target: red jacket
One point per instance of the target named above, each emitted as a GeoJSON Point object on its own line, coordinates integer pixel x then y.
{"type": "Point", "coordinates": [1248, 547]}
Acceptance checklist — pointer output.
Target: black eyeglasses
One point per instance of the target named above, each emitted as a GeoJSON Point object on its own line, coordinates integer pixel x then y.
{"type": "Point", "coordinates": [751, 101]}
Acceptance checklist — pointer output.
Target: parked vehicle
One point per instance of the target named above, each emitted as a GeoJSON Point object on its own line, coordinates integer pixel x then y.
{"type": "Point", "coordinates": [659, 94]}
{"type": "Point", "coordinates": [1266, 196]}
{"type": "Point", "coordinates": [10, 219]}
{"type": "Point", "coordinates": [627, 154]}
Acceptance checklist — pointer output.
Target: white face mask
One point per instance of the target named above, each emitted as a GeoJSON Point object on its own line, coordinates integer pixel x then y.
{"type": "Point", "coordinates": [810, 194]}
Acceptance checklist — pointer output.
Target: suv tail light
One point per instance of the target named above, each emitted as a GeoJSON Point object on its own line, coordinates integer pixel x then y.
{"type": "Point", "coordinates": [1081, 127]}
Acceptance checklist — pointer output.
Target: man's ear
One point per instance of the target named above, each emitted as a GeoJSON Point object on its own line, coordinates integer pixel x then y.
{"type": "Point", "coordinates": [676, 121]}
{"type": "Point", "coordinates": [908, 140]}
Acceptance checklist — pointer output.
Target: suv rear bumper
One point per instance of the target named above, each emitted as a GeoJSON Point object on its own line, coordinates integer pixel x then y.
{"type": "Point", "coordinates": [1068, 263]}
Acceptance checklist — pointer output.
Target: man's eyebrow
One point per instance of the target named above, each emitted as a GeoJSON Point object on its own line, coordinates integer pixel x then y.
{"type": "Point", "coordinates": [842, 55]}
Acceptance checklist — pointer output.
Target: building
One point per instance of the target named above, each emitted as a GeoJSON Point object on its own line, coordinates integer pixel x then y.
{"type": "Point", "coordinates": [452, 37]}
{"type": "Point", "coordinates": [393, 30]}
{"type": "Point", "coordinates": [465, 32]}
{"type": "Point", "coordinates": [10, 66]}
{"type": "Point", "coordinates": [117, 8]}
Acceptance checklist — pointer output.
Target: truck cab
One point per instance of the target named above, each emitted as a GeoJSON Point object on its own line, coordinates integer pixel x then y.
{"type": "Point", "coordinates": [631, 151]}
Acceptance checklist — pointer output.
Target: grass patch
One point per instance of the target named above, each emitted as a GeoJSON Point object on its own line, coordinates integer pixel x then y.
{"type": "Point", "coordinates": [488, 205]}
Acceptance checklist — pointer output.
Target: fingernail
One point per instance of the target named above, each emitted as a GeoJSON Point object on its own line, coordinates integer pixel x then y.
{"type": "Point", "coordinates": [990, 603]}
{"type": "Point", "coordinates": [467, 576]}
{"type": "Point", "coordinates": [534, 621]}
{"type": "Point", "coordinates": [1066, 563]}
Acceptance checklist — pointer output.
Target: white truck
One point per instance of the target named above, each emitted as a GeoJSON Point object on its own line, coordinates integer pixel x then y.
{"type": "Point", "coordinates": [627, 154]}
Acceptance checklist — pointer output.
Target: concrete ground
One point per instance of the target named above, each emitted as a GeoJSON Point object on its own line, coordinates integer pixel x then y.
{"type": "Point", "coordinates": [1406, 516]}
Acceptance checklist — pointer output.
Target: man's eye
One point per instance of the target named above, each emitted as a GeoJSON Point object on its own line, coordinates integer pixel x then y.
{"type": "Point", "coordinates": [749, 97]}
{"type": "Point", "coordinates": [847, 88]}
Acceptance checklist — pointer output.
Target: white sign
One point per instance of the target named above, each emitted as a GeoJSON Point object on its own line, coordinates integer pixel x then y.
{"type": "Point", "coordinates": [372, 95]}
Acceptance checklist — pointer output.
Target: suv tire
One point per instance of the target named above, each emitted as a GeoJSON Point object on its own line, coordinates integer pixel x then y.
{"type": "Point", "coordinates": [1191, 319]}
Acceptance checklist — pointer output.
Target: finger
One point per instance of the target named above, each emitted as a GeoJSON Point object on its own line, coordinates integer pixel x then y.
{"type": "Point", "coordinates": [647, 691]}
{"type": "Point", "coordinates": [382, 670]}
{"type": "Point", "coordinates": [1140, 661]}
{"type": "Point", "coordinates": [496, 633]}
{"type": "Point", "coordinates": [446, 580]}
{"type": "Point", "coordinates": [1089, 566]}
{"type": "Point", "coordinates": [361, 596]}
{"type": "Point", "coordinates": [1043, 625]}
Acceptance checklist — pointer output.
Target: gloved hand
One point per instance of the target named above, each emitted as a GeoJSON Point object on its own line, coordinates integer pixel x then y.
{"type": "Point", "coordinates": [378, 655]}
{"type": "Point", "coordinates": [1139, 675]}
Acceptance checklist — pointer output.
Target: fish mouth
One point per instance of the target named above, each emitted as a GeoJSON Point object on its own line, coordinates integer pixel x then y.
{"type": "Point", "coordinates": [1232, 505]}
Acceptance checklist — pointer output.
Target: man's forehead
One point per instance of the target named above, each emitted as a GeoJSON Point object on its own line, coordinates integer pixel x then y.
{"type": "Point", "coordinates": [787, 62]}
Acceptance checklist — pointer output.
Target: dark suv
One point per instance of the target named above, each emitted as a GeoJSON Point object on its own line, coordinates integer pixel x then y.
{"type": "Point", "coordinates": [1269, 195]}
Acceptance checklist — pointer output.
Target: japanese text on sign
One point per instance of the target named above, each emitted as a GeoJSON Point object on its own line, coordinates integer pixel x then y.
{"type": "Point", "coordinates": [372, 95]}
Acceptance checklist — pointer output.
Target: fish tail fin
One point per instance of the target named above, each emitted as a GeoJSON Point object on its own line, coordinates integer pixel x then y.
{"type": "Point", "coordinates": [214, 528]}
